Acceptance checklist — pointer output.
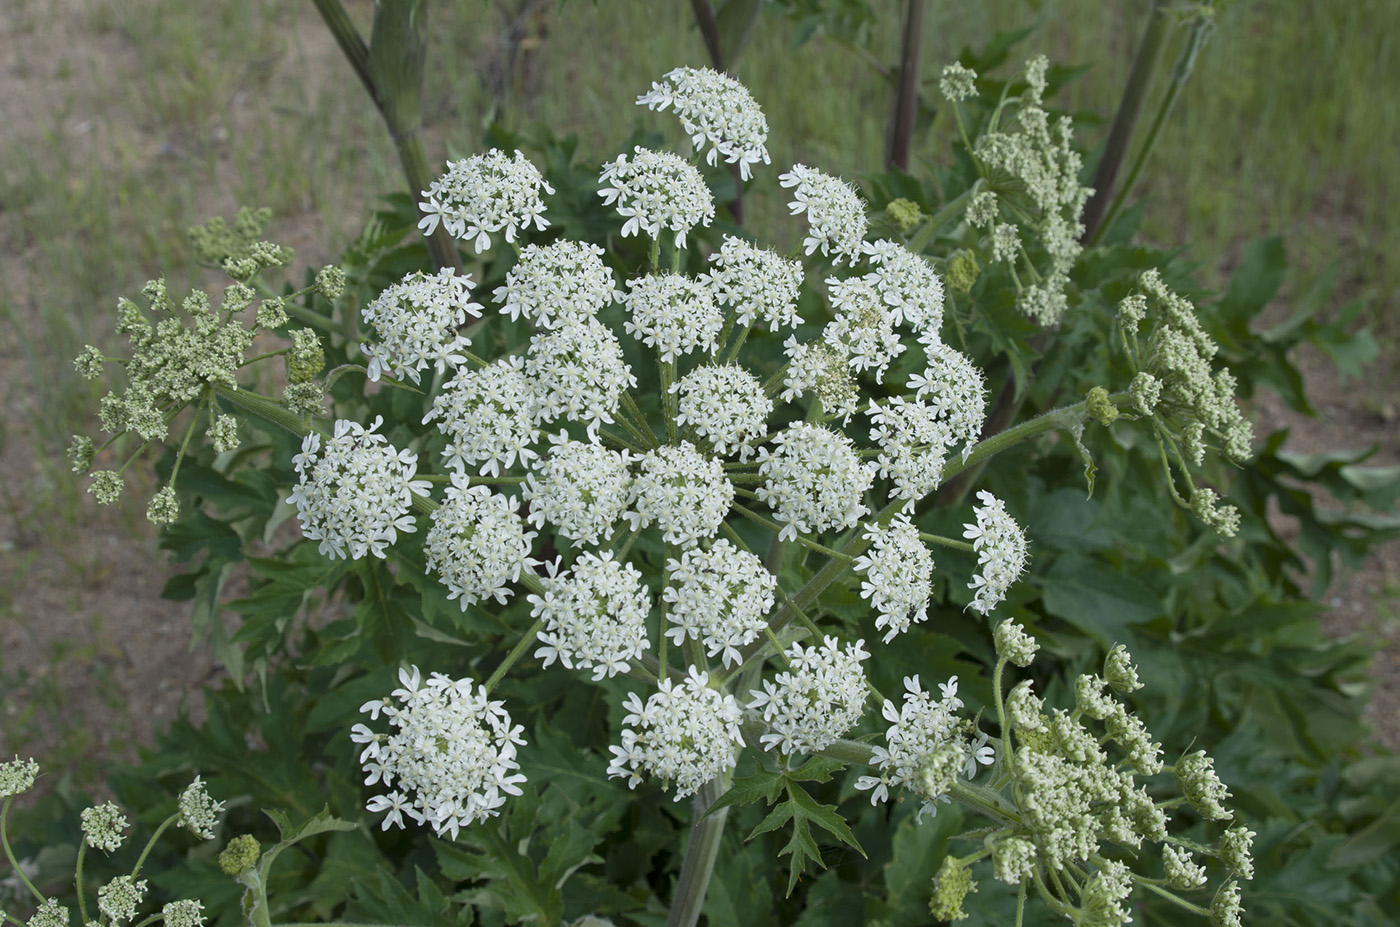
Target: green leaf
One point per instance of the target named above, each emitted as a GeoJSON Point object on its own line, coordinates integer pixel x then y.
{"type": "Point", "coordinates": [1099, 601]}
{"type": "Point", "coordinates": [803, 811]}
{"type": "Point", "coordinates": [748, 789]}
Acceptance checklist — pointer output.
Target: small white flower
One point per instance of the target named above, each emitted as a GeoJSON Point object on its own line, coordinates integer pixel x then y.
{"type": "Point", "coordinates": [674, 314]}
{"type": "Point", "coordinates": [714, 108]}
{"type": "Point", "coordinates": [1001, 552]}
{"type": "Point", "coordinates": [898, 575]}
{"type": "Point", "coordinates": [913, 442]}
{"type": "Point", "coordinates": [955, 389]}
{"type": "Point", "coordinates": [726, 406]}
{"type": "Point", "coordinates": [656, 190]}
{"type": "Point", "coordinates": [595, 615]}
{"type": "Point", "coordinates": [909, 286]}
{"type": "Point", "coordinates": [416, 321]}
{"type": "Point", "coordinates": [484, 194]}
{"type": "Point", "coordinates": [198, 812]}
{"type": "Point", "coordinates": [451, 752]}
{"type": "Point", "coordinates": [816, 699]}
{"type": "Point", "coordinates": [916, 729]}
{"type": "Point", "coordinates": [490, 416]}
{"type": "Point", "coordinates": [120, 898]}
{"type": "Point", "coordinates": [102, 827]}
{"type": "Point", "coordinates": [355, 494]}
{"type": "Point", "coordinates": [477, 544]}
{"type": "Point", "coordinates": [579, 373]}
{"type": "Point", "coordinates": [581, 489]}
{"type": "Point", "coordinates": [684, 492]}
{"type": "Point", "coordinates": [814, 481]}
{"type": "Point", "coordinates": [757, 284]}
{"type": "Point", "coordinates": [835, 213]}
{"type": "Point", "coordinates": [720, 597]}
{"type": "Point", "coordinates": [686, 733]}
{"type": "Point", "coordinates": [565, 280]}
{"type": "Point", "coordinates": [817, 368]}
{"type": "Point", "coordinates": [863, 330]}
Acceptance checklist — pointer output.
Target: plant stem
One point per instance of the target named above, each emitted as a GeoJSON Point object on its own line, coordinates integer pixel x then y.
{"type": "Point", "coordinates": [1145, 65]}
{"type": "Point", "coordinates": [515, 653]}
{"type": "Point", "coordinates": [906, 98]}
{"type": "Point", "coordinates": [700, 853]}
{"type": "Point", "coordinates": [945, 542]}
{"type": "Point", "coordinates": [141, 860]}
{"type": "Point", "coordinates": [78, 882]}
{"type": "Point", "coordinates": [10, 854]}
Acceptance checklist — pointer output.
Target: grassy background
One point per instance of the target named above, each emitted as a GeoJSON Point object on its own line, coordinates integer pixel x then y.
{"type": "Point", "coordinates": [126, 121]}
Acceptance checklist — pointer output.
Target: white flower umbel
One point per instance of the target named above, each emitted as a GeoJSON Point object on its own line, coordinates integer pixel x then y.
{"type": "Point", "coordinates": [835, 212]}
{"type": "Point", "coordinates": [863, 329]}
{"type": "Point", "coordinates": [814, 481]}
{"type": "Point", "coordinates": [595, 615]}
{"type": "Point", "coordinates": [416, 322]}
{"type": "Point", "coordinates": [449, 761]}
{"type": "Point", "coordinates": [198, 812]}
{"type": "Point", "coordinates": [477, 544]}
{"type": "Point", "coordinates": [102, 827]}
{"type": "Point", "coordinates": [913, 443]}
{"type": "Point", "coordinates": [684, 492]}
{"type": "Point", "coordinates": [581, 489]}
{"type": "Point", "coordinates": [120, 898]}
{"type": "Point", "coordinates": [724, 406]}
{"type": "Point", "coordinates": [674, 314]}
{"type": "Point", "coordinates": [485, 194]}
{"type": "Point", "coordinates": [956, 389]}
{"type": "Point", "coordinates": [717, 109]}
{"type": "Point", "coordinates": [898, 575]}
{"type": "Point", "coordinates": [565, 280]}
{"type": "Point", "coordinates": [656, 190]}
{"type": "Point", "coordinates": [489, 415]}
{"type": "Point", "coordinates": [355, 494]}
{"type": "Point", "coordinates": [579, 373]}
{"type": "Point", "coordinates": [720, 597]}
{"type": "Point", "coordinates": [816, 368]}
{"type": "Point", "coordinates": [908, 284]}
{"type": "Point", "coordinates": [17, 776]}
{"type": "Point", "coordinates": [686, 733]}
{"type": "Point", "coordinates": [820, 696]}
{"type": "Point", "coordinates": [1001, 552]}
{"type": "Point", "coordinates": [757, 284]}
{"type": "Point", "coordinates": [917, 729]}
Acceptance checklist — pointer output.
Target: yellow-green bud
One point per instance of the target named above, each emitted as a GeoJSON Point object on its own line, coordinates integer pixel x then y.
{"type": "Point", "coordinates": [304, 398]}
{"type": "Point", "coordinates": [963, 270]}
{"type": "Point", "coordinates": [950, 887]}
{"type": "Point", "coordinates": [240, 855]}
{"type": "Point", "coordinates": [305, 359]}
{"type": "Point", "coordinates": [1100, 408]}
{"type": "Point", "coordinates": [330, 282]}
{"type": "Point", "coordinates": [903, 214]}
{"type": "Point", "coordinates": [80, 453]}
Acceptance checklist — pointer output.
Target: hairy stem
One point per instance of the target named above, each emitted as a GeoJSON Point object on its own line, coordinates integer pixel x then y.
{"type": "Point", "coordinates": [700, 854]}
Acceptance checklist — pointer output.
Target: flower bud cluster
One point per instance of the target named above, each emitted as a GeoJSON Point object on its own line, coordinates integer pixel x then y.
{"type": "Point", "coordinates": [917, 730]}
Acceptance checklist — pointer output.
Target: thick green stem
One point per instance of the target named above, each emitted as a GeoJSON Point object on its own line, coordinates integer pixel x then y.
{"type": "Point", "coordinates": [266, 409]}
{"type": "Point", "coordinates": [1145, 65]}
{"type": "Point", "coordinates": [1201, 29]}
{"type": "Point", "coordinates": [700, 854]}
{"type": "Point", "coordinates": [515, 654]}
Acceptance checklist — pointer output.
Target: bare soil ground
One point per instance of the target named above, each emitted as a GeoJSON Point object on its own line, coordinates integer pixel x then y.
{"type": "Point", "coordinates": [92, 661]}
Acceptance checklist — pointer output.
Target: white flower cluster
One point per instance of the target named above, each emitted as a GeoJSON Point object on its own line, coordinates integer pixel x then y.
{"type": "Point", "coordinates": [720, 597]}
{"type": "Point", "coordinates": [489, 417]}
{"type": "Point", "coordinates": [956, 389]}
{"type": "Point", "coordinates": [1001, 552]}
{"type": "Point", "coordinates": [686, 733]}
{"type": "Point", "coordinates": [909, 286]}
{"type": "Point", "coordinates": [756, 284]}
{"type": "Point", "coordinates": [415, 322]}
{"type": "Point", "coordinates": [674, 314]}
{"type": "Point", "coordinates": [355, 494]}
{"type": "Point", "coordinates": [120, 898]}
{"type": "Point", "coordinates": [198, 812]}
{"type": "Point", "coordinates": [485, 194]}
{"type": "Point", "coordinates": [477, 543]}
{"type": "Point", "coordinates": [714, 108]}
{"type": "Point", "coordinates": [814, 481]}
{"type": "Point", "coordinates": [820, 696]}
{"type": "Point", "coordinates": [684, 492]}
{"type": "Point", "coordinates": [581, 489]}
{"type": "Point", "coordinates": [917, 729]}
{"type": "Point", "coordinates": [863, 330]}
{"type": "Point", "coordinates": [898, 575]}
{"type": "Point", "coordinates": [726, 406]}
{"type": "Point", "coordinates": [595, 615]}
{"type": "Point", "coordinates": [102, 827]}
{"type": "Point", "coordinates": [814, 367]}
{"type": "Point", "coordinates": [657, 190]}
{"type": "Point", "coordinates": [579, 373]}
{"type": "Point", "coordinates": [913, 439]}
{"type": "Point", "coordinates": [835, 212]}
{"type": "Point", "coordinates": [562, 281]}
{"type": "Point", "coordinates": [452, 753]}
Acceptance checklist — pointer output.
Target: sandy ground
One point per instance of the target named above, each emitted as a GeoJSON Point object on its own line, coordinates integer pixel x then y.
{"type": "Point", "coordinates": [92, 661]}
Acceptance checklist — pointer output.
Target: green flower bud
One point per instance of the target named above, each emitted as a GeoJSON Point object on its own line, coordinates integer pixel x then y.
{"type": "Point", "coordinates": [963, 271]}
{"type": "Point", "coordinates": [1225, 910]}
{"type": "Point", "coordinates": [940, 770]}
{"type": "Point", "coordinates": [1013, 859]}
{"type": "Point", "coordinates": [1183, 873]}
{"type": "Point", "coordinates": [957, 83]}
{"type": "Point", "coordinates": [950, 887]}
{"type": "Point", "coordinates": [1235, 845]}
{"type": "Point", "coordinates": [903, 214]}
{"type": "Point", "coordinates": [164, 507]}
{"type": "Point", "coordinates": [102, 827]}
{"type": "Point", "coordinates": [330, 282]}
{"type": "Point", "coordinates": [1014, 644]}
{"type": "Point", "coordinates": [240, 855]}
{"type": "Point", "coordinates": [304, 398]}
{"type": "Point", "coordinates": [305, 359]}
{"type": "Point", "coordinates": [223, 432]}
{"type": "Point", "coordinates": [1118, 670]}
{"type": "Point", "coordinates": [1195, 776]}
{"type": "Point", "coordinates": [1100, 408]}
{"type": "Point", "coordinates": [106, 485]}
{"type": "Point", "coordinates": [272, 313]}
{"type": "Point", "coordinates": [17, 776]}
{"type": "Point", "coordinates": [1146, 391]}
{"type": "Point", "coordinates": [80, 453]}
{"type": "Point", "coordinates": [89, 363]}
